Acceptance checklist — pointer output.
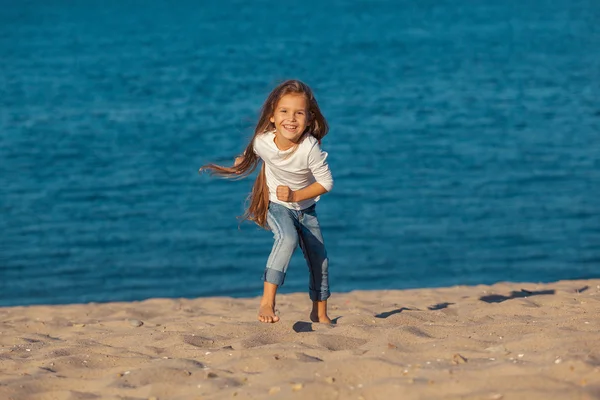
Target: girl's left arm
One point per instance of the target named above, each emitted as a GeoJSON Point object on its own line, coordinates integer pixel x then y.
{"type": "Point", "coordinates": [309, 192]}
{"type": "Point", "coordinates": [317, 163]}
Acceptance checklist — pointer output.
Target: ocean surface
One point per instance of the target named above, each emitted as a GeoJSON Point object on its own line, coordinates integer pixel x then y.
{"type": "Point", "coordinates": [464, 143]}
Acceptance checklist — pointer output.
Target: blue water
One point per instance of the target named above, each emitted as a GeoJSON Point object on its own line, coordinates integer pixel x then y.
{"type": "Point", "coordinates": [464, 143]}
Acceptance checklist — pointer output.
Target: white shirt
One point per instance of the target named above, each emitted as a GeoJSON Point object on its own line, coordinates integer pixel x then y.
{"type": "Point", "coordinates": [305, 166]}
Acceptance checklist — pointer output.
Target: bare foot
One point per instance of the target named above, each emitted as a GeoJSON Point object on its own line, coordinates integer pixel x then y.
{"type": "Point", "coordinates": [323, 319]}
{"type": "Point", "coordinates": [266, 313]}
{"type": "Point", "coordinates": [319, 312]}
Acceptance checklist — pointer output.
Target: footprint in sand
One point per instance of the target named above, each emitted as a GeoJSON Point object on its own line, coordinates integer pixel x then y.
{"type": "Point", "coordinates": [199, 341]}
{"type": "Point", "coordinates": [417, 332]}
{"type": "Point", "coordinates": [337, 343]}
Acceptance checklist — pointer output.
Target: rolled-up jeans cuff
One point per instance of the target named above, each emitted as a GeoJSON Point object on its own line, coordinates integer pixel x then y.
{"type": "Point", "coordinates": [273, 276]}
{"type": "Point", "coordinates": [319, 296]}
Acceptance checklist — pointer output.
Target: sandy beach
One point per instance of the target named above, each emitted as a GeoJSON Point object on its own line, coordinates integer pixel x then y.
{"type": "Point", "coordinates": [506, 341]}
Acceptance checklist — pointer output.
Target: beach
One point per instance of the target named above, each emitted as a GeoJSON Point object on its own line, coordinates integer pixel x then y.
{"type": "Point", "coordinates": [505, 341]}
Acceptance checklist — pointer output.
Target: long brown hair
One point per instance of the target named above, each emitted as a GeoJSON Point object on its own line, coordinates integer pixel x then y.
{"type": "Point", "coordinates": [259, 197]}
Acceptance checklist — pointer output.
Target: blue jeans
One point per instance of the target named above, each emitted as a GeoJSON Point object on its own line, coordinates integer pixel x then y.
{"type": "Point", "coordinates": [290, 228]}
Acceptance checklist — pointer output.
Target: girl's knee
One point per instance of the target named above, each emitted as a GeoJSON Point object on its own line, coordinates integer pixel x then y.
{"type": "Point", "coordinates": [287, 242]}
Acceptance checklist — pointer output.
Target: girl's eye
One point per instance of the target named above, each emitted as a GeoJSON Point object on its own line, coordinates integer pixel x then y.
{"type": "Point", "coordinates": [283, 111]}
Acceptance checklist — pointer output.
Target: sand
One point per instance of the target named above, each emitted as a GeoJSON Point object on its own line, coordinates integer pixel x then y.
{"type": "Point", "coordinates": [506, 341]}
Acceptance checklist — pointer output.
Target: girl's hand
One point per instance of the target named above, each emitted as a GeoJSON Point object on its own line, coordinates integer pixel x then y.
{"type": "Point", "coordinates": [284, 193]}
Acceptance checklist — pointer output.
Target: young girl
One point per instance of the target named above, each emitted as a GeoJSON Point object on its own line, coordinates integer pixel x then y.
{"type": "Point", "coordinates": [293, 176]}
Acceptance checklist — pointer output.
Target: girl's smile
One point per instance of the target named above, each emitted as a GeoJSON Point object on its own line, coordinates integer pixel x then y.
{"type": "Point", "coordinates": [290, 119]}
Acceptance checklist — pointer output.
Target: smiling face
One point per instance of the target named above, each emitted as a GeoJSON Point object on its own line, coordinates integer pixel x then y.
{"type": "Point", "coordinates": [290, 118]}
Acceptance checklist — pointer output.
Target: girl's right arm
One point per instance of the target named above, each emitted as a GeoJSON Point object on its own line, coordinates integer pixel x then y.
{"type": "Point", "coordinates": [242, 165]}
{"type": "Point", "coordinates": [238, 160]}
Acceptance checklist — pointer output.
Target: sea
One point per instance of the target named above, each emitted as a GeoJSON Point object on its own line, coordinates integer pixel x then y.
{"type": "Point", "coordinates": [464, 143]}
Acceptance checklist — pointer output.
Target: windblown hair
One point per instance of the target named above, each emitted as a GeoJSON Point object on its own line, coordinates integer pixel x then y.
{"type": "Point", "coordinates": [258, 200]}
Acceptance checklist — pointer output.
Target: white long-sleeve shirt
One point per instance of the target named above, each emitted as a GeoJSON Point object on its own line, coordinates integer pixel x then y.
{"type": "Point", "coordinates": [307, 165]}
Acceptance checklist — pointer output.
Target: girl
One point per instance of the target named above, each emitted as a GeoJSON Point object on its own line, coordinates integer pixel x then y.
{"type": "Point", "coordinates": [293, 176]}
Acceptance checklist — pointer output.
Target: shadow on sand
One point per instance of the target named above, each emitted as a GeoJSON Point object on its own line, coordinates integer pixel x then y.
{"type": "Point", "coordinates": [302, 326]}
{"type": "Point", "coordinates": [492, 298]}
{"type": "Point", "coordinates": [498, 298]}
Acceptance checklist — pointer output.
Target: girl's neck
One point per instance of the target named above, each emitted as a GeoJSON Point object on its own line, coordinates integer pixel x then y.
{"type": "Point", "coordinates": [286, 145]}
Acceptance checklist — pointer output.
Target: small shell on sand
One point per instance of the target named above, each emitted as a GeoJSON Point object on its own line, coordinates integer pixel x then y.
{"type": "Point", "coordinates": [136, 323]}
